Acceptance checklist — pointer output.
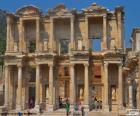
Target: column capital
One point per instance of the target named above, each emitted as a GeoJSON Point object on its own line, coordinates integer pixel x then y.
{"type": "Point", "coordinates": [19, 65]}
{"type": "Point", "coordinates": [120, 64]}
{"type": "Point", "coordinates": [72, 19]}
{"type": "Point", "coordinates": [86, 64]}
{"type": "Point", "coordinates": [50, 65]}
{"type": "Point", "coordinates": [105, 16]}
{"type": "Point", "coordinates": [106, 63]}
{"type": "Point", "coordinates": [51, 19]}
{"type": "Point", "coordinates": [72, 65]}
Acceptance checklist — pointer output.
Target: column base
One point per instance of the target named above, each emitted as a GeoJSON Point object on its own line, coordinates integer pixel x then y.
{"type": "Point", "coordinates": [50, 108]}
{"type": "Point", "coordinates": [121, 109]}
{"type": "Point", "coordinates": [36, 108]}
{"type": "Point", "coordinates": [106, 108]}
{"type": "Point", "coordinates": [5, 108]}
{"type": "Point", "coordinates": [86, 108]}
{"type": "Point", "coordinates": [18, 108]}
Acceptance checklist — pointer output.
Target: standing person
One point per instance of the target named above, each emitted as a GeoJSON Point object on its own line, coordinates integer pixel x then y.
{"type": "Point", "coordinates": [82, 110]}
{"type": "Point", "coordinates": [67, 107]}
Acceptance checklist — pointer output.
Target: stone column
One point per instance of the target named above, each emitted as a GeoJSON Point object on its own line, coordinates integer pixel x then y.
{"type": "Point", "coordinates": [130, 94]}
{"type": "Point", "coordinates": [51, 95]}
{"type": "Point", "coordinates": [119, 30]}
{"type": "Point", "coordinates": [8, 34]}
{"type": "Point", "coordinates": [104, 44]}
{"type": "Point", "coordinates": [72, 85]}
{"type": "Point", "coordinates": [138, 84]}
{"type": "Point", "coordinates": [106, 83]}
{"type": "Point", "coordinates": [120, 87]}
{"type": "Point", "coordinates": [37, 98]}
{"type": "Point", "coordinates": [6, 83]}
{"type": "Point", "coordinates": [20, 35]}
{"type": "Point", "coordinates": [19, 90]}
{"type": "Point", "coordinates": [51, 34]}
{"type": "Point", "coordinates": [86, 88]}
{"type": "Point", "coordinates": [37, 34]}
{"type": "Point", "coordinates": [86, 41]}
{"type": "Point", "coordinates": [72, 32]}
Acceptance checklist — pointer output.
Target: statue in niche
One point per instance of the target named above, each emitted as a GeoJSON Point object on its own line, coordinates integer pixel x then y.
{"type": "Point", "coordinates": [112, 43]}
{"type": "Point", "coordinates": [113, 93]}
{"type": "Point", "coordinates": [81, 94]}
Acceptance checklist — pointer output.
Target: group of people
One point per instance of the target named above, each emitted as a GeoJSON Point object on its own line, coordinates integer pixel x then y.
{"type": "Point", "coordinates": [96, 104]}
{"type": "Point", "coordinates": [76, 109]}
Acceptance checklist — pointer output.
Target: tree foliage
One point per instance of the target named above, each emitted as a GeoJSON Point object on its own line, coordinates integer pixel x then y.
{"type": "Point", "coordinates": [2, 34]}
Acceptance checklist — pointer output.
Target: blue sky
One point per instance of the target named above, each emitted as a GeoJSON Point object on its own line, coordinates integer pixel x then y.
{"type": "Point", "coordinates": [132, 8]}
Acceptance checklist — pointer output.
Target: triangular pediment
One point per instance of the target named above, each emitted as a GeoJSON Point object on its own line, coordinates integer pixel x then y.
{"type": "Point", "coordinates": [94, 8]}
{"type": "Point", "coordinates": [60, 10]}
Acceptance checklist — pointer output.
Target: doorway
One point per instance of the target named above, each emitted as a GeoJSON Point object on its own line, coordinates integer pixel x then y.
{"type": "Point", "coordinates": [31, 97]}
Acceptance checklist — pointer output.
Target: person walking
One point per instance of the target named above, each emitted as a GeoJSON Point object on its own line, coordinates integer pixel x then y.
{"type": "Point", "coordinates": [67, 107]}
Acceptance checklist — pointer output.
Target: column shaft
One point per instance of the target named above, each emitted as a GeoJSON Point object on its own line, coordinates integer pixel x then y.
{"type": "Point", "coordinates": [51, 85]}
{"type": "Point", "coordinates": [130, 96]}
{"type": "Point", "coordinates": [8, 34]}
{"type": "Point", "coordinates": [20, 35]}
{"type": "Point", "coordinates": [86, 91]}
{"type": "Point", "coordinates": [104, 44]}
{"type": "Point", "coordinates": [19, 91]}
{"type": "Point", "coordinates": [37, 101]}
{"type": "Point", "coordinates": [37, 34]}
{"type": "Point", "coordinates": [120, 86]}
{"type": "Point", "coordinates": [87, 34]}
{"type": "Point", "coordinates": [51, 34]}
{"type": "Point", "coordinates": [106, 105]}
{"type": "Point", "coordinates": [72, 32]}
{"type": "Point", "coordinates": [119, 31]}
{"type": "Point", "coordinates": [6, 85]}
{"type": "Point", "coordinates": [72, 85]}
{"type": "Point", "coordinates": [139, 84]}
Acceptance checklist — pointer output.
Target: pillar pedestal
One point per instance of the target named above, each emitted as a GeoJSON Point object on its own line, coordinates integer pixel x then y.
{"type": "Point", "coordinates": [51, 108]}
{"type": "Point", "coordinates": [18, 108]}
{"type": "Point", "coordinates": [106, 108]}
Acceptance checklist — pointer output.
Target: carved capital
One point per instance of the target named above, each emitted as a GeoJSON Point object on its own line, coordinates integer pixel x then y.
{"type": "Point", "coordinates": [86, 64]}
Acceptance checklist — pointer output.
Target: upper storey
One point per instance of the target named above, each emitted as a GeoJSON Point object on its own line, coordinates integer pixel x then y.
{"type": "Point", "coordinates": [136, 39]}
{"type": "Point", "coordinates": [62, 31]}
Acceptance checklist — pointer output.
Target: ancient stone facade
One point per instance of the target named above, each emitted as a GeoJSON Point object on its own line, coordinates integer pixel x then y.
{"type": "Point", "coordinates": [132, 71]}
{"type": "Point", "coordinates": [54, 55]}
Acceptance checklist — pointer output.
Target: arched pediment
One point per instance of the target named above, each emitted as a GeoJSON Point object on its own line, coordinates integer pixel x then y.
{"type": "Point", "coordinates": [28, 10]}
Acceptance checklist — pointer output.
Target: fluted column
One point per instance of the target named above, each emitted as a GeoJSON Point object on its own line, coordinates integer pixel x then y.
{"type": "Point", "coordinates": [6, 83]}
{"type": "Point", "coordinates": [51, 92]}
{"type": "Point", "coordinates": [8, 34]}
{"type": "Point", "coordinates": [120, 87]}
{"type": "Point", "coordinates": [72, 32]}
{"type": "Point", "coordinates": [51, 34]}
{"type": "Point", "coordinates": [20, 35]}
{"type": "Point", "coordinates": [104, 44]}
{"type": "Point", "coordinates": [72, 85]}
{"type": "Point", "coordinates": [119, 30]}
{"type": "Point", "coordinates": [37, 98]}
{"type": "Point", "coordinates": [37, 34]}
{"type": "Point", "coordinates": [86, 41]}
{"type": "Point", "coordinates": [139, 84]}
{"type": "Point", "coordinates": [86, 88]}
{"type": "Point", "coordinates": [19, 91]}
{"type": "Point", "coordinates": [106, 105]}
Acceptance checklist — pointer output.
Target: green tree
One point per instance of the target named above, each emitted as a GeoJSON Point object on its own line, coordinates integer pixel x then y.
{"type": "Point", "coordinates": [2, 35]}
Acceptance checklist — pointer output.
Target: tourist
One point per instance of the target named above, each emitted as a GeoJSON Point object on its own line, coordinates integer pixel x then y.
{"type": "Point", "coordinates": [67, 107]}
{"type": "Point", "coordinates": [60, 102]}
{"type": "Point", "coordinates": [82, 110]}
